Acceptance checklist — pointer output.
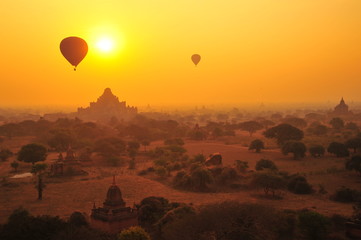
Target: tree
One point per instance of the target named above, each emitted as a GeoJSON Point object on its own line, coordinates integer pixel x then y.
{"type": "Point", "coordinates": [250, 126]}
{"type": "Point", "coordinates": [15, 165]}
{"type": "Point", "coordinates": [337, 123]}
{"type": "Point", "coordinates": [354, 164]}
{"type": "Point", "coordinates": [5, 154]}
{"type": "Point", "coordinates": [317, 129]}
{"type": "Point", "coordinates": [199, 158]}
{"type": "Point", "coordinates": [267, 123]}
{"type": "Point", "coordinates": [132, 150]}
{"type": "Point", "coordinates": [32, 153]}
{"type": "Point", "coordinates": [313, 225]}
{"type": "Point", "coordinates": [256, 145]}
{"type": "Point", "coordinates": [151, 209]}
{"type": "Point", "coordinates": [38, 170]}
{"type": "Point", "coordinates": [241, 166]}
{"type": "Point", "coordinates": [354, 143]}
{"type": "Point", "coordinates": [22, 225]}
{"type": "Point", "coordinates": [244, 221]}
{"type": "Point", "coordinates": [296, 122]}
{"type": "Point", "coordinates": [161, 172]}
{"type": "Point", "coordinates": [264, 164]}
{"type": "Point", "coordinates": [134, 233]}
{"type": "Point", "coordinates": [297, 148]}
{"type": "Point", "coordinates": [201, 177]}
{"type": "Point", "coordinates": [61, 140]}
{"type": "Point", "coordinates": [339, 149]}
{"type": "Point", "coordinates": [284, 132]}
{"type": "Point", "coordinates": [269, 181]}
{"type": "Point", "coordinates": [10, 130]}
{"type": "Point", "coordinates": [108, 147]}
{"type": "Point", "coordinates": [316, 150]}
{"type": "Point", "coordinates": [78, 219]}
{"type": "Point", "coordinates": [299, 185]}
{"type": "Point", "coordinates": [352, 126]}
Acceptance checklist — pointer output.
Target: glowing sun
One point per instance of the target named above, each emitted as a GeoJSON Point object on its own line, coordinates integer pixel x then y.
{"type": "Point", "coordinates": [105, 45]}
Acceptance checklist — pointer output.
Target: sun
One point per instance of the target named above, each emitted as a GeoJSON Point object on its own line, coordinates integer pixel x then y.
{"type": "Point", "coordinates": [105, 45]}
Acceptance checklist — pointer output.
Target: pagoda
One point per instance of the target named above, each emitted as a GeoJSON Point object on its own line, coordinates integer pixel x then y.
{"type": "Point", "coordinates": [114, 216]}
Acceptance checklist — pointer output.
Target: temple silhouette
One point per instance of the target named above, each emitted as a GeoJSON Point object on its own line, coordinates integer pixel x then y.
{"type": "Point", "coordinates": [107, 107]}
{"type": "Point", "coordinates": [341, 109]}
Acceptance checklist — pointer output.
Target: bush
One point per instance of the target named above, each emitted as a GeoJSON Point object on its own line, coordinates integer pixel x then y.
{"type": "Point", "coordinates": [345, 194]}
{"type": "Point", "coordinates": [316, 150]}
{"type": "Point", "coordinates": [265, 164]}
{"type": "Point", "coordinates": [269, 181]}
{"type": "Point", "coordinates": [182, 180]}
{"type": "Point", "coordinates": [134, 233]}
{"type": "Point", "coordinates": [297, 148]}
{"type": "Point", "coordinates": [228, 174]}
{"type": "Point", "coordinates": [313, 225]}
{"type": "Point", "coordinates": [161, 172]}
{"type": "Point", "coordinates": [199, 158]}
{"type": "Point", "coordinates": [115, 161]}
{"type": "Point", "coordinates": [299, 185]}
{"type": "Point", "coordinates": [241, 166]}
{"type": "Point", "coordinates": [339, 149]}
{"type": "Point", "coordinates": [354, 164]}
{"type": "Point", "coordinates": [256, 145]}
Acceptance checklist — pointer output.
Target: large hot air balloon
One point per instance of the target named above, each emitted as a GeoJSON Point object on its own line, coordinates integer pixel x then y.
{"type": "Point", "coordinates": [74, 49]}
{"type": "Point", "coordinates": [196, 58]}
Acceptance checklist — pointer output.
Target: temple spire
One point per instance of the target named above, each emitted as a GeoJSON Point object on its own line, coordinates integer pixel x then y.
{"type": "Point", "coordinates": [113, 179]}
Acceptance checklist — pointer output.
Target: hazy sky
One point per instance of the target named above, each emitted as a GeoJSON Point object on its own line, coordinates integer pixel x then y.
{"type": "Point", "coordinates": [252, 51]}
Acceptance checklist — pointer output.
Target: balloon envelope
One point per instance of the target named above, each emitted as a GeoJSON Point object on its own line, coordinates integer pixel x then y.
{"type": "Point", "coordinates": [74, 49]}
{"type": "Point", "coordinates": [196, 58]}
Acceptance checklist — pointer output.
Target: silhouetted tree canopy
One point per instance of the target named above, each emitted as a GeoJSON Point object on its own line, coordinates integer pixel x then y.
{"type": "Point", "coordinates": [337, 123]}
{"type": "Point", "coordinates": [108, 147]}
{"type": "Point", "coordinates": [316, 150]}
{"type": "Point", "coordinates": [284, 132]}
{"type": "Point", "coordinates": [231, 221]}
{"type": "Point", "coordinates": [134, 233]}
{"type": "Point", "coordinates": [250, 126]}
{"type": "Point", "coordinates": [297, 148]}
{"type": "Point", "coordinates": [32, 153]}
{"type": "Point", "coordinates": [339, 149]}
{"type": "Point", "coordinates": [317, 129]}
{"type": "Point", "coordinates": [269, 181]}
{"type": "Point", "coordinates": [296, 122]}
{"type": "Point", "coordinates": [354, 164]}
{"type": "Point", "coordinates": [352, 126]}
{"type": "Point", "coordinates": [299, 185]}
{"type": "Point", "coordinates": [264, 164]}
{"type": "Point", "coordinates": [5, 154]}
{"type": "Point", "coordinates": [256, 145]}
{"type": "Point", "coordinates": [313, 225]}
{"type": "Point", "coordinates": [354, 143]}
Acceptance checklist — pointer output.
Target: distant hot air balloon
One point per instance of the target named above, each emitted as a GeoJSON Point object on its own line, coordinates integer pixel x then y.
{"type": "Point", "coordinates": [196, 58]}
{"type": "Point", "coordinates": [74, 49]}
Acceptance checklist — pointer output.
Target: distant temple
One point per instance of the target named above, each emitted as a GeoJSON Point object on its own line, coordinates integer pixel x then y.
{"type": "Point", "coordinates": [114, 216]}
{"type": "Point", "coordinates": [66, 166]}
{"type": "Point", "coordinates": [107, 107]}
{"type": "Point", "coordinates": [341, 109]}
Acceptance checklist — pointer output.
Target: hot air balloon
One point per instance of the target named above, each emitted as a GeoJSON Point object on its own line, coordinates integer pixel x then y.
{"type": "Point", "coordinates": [196, 58]}
{"type": "Point", "coordinates": [74, 49]}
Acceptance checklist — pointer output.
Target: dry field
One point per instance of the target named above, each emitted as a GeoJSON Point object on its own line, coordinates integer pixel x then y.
{"type": "Point", "coordinates": [62, 196]}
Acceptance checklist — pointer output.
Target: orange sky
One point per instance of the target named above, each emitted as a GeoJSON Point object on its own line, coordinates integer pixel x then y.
{"type": "Point", "coordinates": [252, 51]}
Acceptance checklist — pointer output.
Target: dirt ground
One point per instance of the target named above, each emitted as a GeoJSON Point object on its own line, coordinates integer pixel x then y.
{"type": "Point", "coordinates": [62, 196]}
